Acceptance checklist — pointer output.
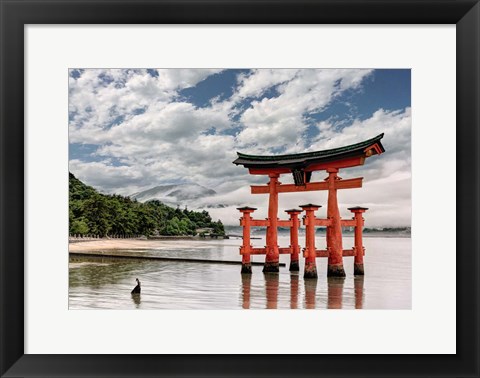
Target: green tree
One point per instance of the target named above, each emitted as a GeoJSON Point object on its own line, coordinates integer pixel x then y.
{"type": "Point", "coordinates": [79, 227]}
{"type": "Point", "coordinates": [96, 213]}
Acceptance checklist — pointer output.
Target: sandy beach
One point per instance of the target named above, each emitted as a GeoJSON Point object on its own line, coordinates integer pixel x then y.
{"type": "Point", "coordinates": [133, 244]}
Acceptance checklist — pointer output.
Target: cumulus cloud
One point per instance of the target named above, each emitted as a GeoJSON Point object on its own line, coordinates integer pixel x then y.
{"type": "Point", "coordinates": [280, 120]}
{"type": "Point", "coordinates": [100, 98]}
{"type": "Point", "coordinates": [143, 132]}
{"type": "Point", "coordinates": [257, 82]}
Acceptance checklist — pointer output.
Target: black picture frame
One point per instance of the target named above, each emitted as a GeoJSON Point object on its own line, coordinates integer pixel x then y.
{"type": "Point", "coordinates": [15, 14]}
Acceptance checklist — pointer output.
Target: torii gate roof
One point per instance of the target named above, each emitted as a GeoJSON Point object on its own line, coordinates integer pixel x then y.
{"type": "Point", "coordinates": [351, 155]}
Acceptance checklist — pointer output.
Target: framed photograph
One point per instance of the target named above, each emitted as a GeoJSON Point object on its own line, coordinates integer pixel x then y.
{"type": "Point", "coordinates": [172, 121]}
{"type": "Point", "coordinates": [142, 207]}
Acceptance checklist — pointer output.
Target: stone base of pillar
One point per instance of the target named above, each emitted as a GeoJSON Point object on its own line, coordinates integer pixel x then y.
{"type": "Point", "coordinates": [294, 266]}
{"type": "Point", "coordinates": [247, 268]}
{"type": "Point", "coordinates": [335, 271]}
{"type": "Point", "coordinates": [358, 270]}
{"type": "Point", "coordinates": [310, 270]}
{"type": "Point", "coordinates": [271, 267]}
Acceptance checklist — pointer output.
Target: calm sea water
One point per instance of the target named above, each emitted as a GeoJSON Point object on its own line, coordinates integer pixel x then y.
{"type": "Point", "coordinates": [97, 283]}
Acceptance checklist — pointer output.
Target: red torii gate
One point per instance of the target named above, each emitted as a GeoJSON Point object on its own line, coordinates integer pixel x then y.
{"type": "Point", "coordinates": [301, 166]}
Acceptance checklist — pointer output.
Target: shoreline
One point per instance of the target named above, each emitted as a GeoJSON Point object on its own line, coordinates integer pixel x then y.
{"type": "Point", "coordinates": [132, 244]}
{"type": "Point", "coordinates": [163, 243]}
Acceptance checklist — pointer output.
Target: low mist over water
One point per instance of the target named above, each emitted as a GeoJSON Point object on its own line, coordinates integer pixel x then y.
{"type": "Point", "coordinates": [104, 283]}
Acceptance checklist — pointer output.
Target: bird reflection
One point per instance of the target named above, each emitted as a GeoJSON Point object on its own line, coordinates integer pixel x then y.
{"type": "Point", "coordinates": [358, 288]}
{"type": "Point", "coordinates": [310, 292]}
{"type": "Point", "coordinates": [136, 298]}
{"type": "Point", "coordinates": [246, 287]}
{"type": "Point", "coordinates": [335, 292]}
{"type": "Point", "coordinates": [271, 289]}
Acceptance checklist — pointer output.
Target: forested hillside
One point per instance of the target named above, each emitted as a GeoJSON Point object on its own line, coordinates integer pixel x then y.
{"type": "Point", "coordinates": [91, 212]}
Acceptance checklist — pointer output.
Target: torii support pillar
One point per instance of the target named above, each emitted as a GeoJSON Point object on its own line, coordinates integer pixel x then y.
{"type": "Point", "coordinates": [272, 253]}
{"type": "Point", "coordinates": [295, 224]}
{"type": "Point", "coordinates": [310, 252]}
{"type": "Point", "coordinates": [246, 247]}
{"type": "Point", "coordinates": [358, 269]}
{"type": "Point", "coordinates": [334, 231]}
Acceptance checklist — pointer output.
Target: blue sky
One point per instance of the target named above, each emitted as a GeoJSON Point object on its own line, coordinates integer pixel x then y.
{"type": "Point", "coordinates": [132, 129]}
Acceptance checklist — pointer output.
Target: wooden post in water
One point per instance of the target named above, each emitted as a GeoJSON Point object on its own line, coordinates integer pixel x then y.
{"type": "Point", "coordinates": [246, 247]}
{"type": "Point", "coordinates": [358, 269]}
{"type": "Point", "coordinates": [295, 224]}
{"type": "Point", "coordinates": [309, 251]}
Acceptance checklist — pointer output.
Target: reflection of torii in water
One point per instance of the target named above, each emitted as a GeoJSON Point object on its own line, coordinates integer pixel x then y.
{"type": "Point", "coordinates": [301, 166]}
{"type": "Point", "coordinates": [332, 299]}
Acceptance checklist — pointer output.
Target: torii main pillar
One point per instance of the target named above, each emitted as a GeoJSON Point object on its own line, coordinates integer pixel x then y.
{"type": "Point", "coordinates": [334, 231]}
{"type": "Point", "coordinates": [272, 254]}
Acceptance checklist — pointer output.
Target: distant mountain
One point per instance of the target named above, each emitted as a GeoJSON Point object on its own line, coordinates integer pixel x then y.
{"type": "Point", "coordinates": [179, 194]}
{"type": "Point", "coordinates": [385, 232]}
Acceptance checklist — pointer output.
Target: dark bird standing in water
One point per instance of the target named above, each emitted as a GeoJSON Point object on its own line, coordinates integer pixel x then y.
{"type": "Point", "coordinates": [136, 289]}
